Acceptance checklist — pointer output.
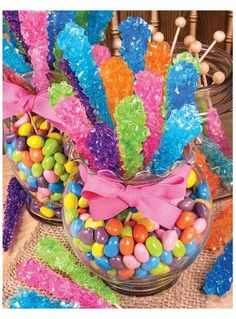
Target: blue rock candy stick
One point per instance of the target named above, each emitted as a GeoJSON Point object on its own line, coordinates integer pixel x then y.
{"type": "Point", "coordinates": [78, 51]}
{"type": "Point", "coordinates": [97, 22]}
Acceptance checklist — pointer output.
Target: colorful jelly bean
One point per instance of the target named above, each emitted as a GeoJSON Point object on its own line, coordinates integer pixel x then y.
{"type": "Point", "coordinates": [140, 233]}
{"type": "Point", "coordinates": [141, 253]}
{"type": "Point", "coordinates": [126, 245]}
{"type": "Point", "coordinates": [35, 141]}
{"type": "Point", "coordinates": [114, 227]}
{"type": "Point", "coordinates": [185, 220]}
{"type": "Point", "coordinates": [76, 227]}
{"type": "Point", "coordinates": [112, 247]}
{"type": "Point", "coordinates": [188, 235]}
{"type": "Point", "coordinates": [98, 250]}
{"type": "Point", "coordinates": [154, 246]}
{"type": "Point", "coordinates": [131, 262]}
{"type": "Point", "coordinates": [151, 263]}
{"type": "Point", "coordinates": [166, 257]}
{"type": "Point", "coordinates": [86, 235]}
{"type": "Point", "coordinates": [179, 250]}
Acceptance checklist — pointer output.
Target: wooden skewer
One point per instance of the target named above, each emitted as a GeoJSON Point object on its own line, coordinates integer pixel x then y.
{"type": "Point", "coordinates": [158, 37]}
{"type": "Point", "coordinates": [152, 29]}
{"type": "Point", "coordinates": [218, 77]}
{"type": "Point", "coordinates": [218, 36]}
{"type": "Point", "coordinates": [204, 69]}
{"type": "Point", "coordinates": [180, 23]}
{"type": "Point", "coordinates": [188, 40]}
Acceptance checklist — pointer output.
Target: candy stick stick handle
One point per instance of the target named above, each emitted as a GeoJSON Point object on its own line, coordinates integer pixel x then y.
{"type": "Point", "coordinates": [218, 36]}
{"type": "Point", "coordinates": [180, 23]}
{"type": "Point", "coordinates": [175, 40]}
{"type": "Point", "coordinates": [207, 51]}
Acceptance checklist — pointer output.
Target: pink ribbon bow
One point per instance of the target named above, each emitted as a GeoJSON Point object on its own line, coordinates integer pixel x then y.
{"type": "Point", "coordinates": [158, 202]}
{"type": "Point", "coordinates": [16, 99]}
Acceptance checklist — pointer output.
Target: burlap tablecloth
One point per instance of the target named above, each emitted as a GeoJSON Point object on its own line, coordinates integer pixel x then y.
{"type": "Point", "coordinates": [186, 293]}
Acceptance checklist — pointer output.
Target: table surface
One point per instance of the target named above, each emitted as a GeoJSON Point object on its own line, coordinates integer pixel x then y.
{"type": "Point", "coordinates": [27, 224]}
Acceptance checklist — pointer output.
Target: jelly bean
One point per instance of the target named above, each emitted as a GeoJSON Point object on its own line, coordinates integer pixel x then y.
{"type": "Point", "coordinates": [117, 262]}
{"type": "Point", "coordinates": [37, 170]}
{"type": "Point", "coordinates": [191, 247]}
{"type": "Point", "coordinates": [70, 201]}
{"type": "Point", "coordinates": [56, 187]}
{"type": "Point", "coordinates": [202, 190]}
{"type": "Point", "coordinates": [56, 197]}
{"type": "Point", "coordinates": [9, 137]}
{"type": "Point", "coordinates": [43, 133]}
{"type": "Point", "coordinates": [48, 162]}
{"type": "Point", "coordinates": [188, 235]}
{"type": "Point", "coordinates": [179, 249]}
{"type": "Point", "coordinates": [150, 226]}
{"type": "Point", "coordinates": [101, 236]}
{"type": "Point", "coordinates": [83, 202]}
{"type": "Point", "coordinates": [141, 253]}
{"type": "Point", "coordinates": [90, 256]}
{"type": "Point", "coordinates": [103, 263]}
{"type": "Point", "coordinates": [76, 227]}
{"type": "Point", "coordinates": [17, 156]}
{"type": "Point", "coordinates": [37, 120]}
{"type": "Point", "coordinates": [45, 125]}
{"type": "Point", "coordinates": [112, 247]}
{"type": "Point", "coordinates": [57, 212]}
{"type": "Point", "coordinates": [203, 201]}
{"type": "Point", "coordinates": [44, 192]}
{"type": "Point", "coordinates": [159, 233]}
{"type": "Point", "coordinates": [70, 215]}
{"type": "Point", "coordinates": [59, 169]}
{"type": "Point", "coordinates": [32, 181]}
{"type": "Point", "coordinates": [137, 216]}
{"type": "Point", "coordinates": [192, 178]}
{"type": "Point", "coordinates": [98, 249]}
{"type": "Point", "coordinates": [169, 239]}
{"type": "Point", "coordinates": [166, 257]}
{"type": "Point", "coordinates": [201, 210]}
{"type": "Point", "coordinates": [82, 211]}
{"type": "Point", "coordinates": [158, 270]}
{"type": "Point", "coordinates": [85, 248]}
{"type": "Point", "coordinates": [130, 223]}
{"type": "Point", "coordinates": [123, 215]}
{"type": "Point", "coordinates": [55, 135]}
{"type": "Point", "coordinates": [131, 262]}
{"type": "Point", "coordinates": [200, 225]}
{"type": "Point", "coordinates": [127, 231]}
{"type": "Point", "coordinates": [186, 204]}
{"type": "Point", "coordinates": [22, 120]}
{"type": "Point", "coordinates": [60, 158]}
{"type": "Point", "coordinates": [154, 246]}
{"type": "Point", "coordinates": [42, 181]}
{"type": "Point", "coordinates": [21, 143]}
{"type": "Point", "coordinates": [50, 147]}
{"type": "Point", "coordinates": [126, 245]}
{"type": "Point", "coordinates": [91, 223]}
{"type": "Point", "coordinates": [185, 220]}
{"type": "Point", "coordinates": [50, 176]}
{"type": "Point", "coordinates": [10, 150]}
{"type": "Point", "coordinates": [75, 188]}
{"type": "Point", "coordinates": [26, 159]}
{"type": "Point", "coordinates": [47, 212]}
{"type": "Point", "coordinates": [178, 231]}
{"type": "Point", "coordinates": [36, 155]}
{"type": "Point", "coordinates": [70, 167]}
{"type": "Point", "coordinates": [84, 217]}
{"type": "Point", "coordinates": [140, 233]}
{"type": "Point", "coordinates": [22, 167]}
{"type": "Point", "coordinates": [35, 141]}
{"type": "Point", "coordinates": [151, 263]}
{"type": "Point", "coordinates": [140, 273]}
{"type": "Point", "coordinates": [86, 235]}
{"type": "Point", "coordinates": [25, 129]}
{"type": "Point", "coordinates": [114, 227]}
{"type": "Point", "coordinates": [22, 176]}
{"type": "Point", "coordinates": [126, 273]}
{"type": "Point", "coordinates": [64, 177]}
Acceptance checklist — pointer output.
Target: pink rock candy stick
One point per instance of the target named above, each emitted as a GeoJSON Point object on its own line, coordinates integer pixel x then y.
{"type": "Point", "coordinates": [100, 54]}
{"type": "Point", "coordinates": [215, 132]}
{"type": "Point", "coordinates": [149, 87]}
{"type": "Point", "coordinates": [38, 276]}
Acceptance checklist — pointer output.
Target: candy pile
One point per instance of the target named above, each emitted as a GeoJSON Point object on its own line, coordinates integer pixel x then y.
{"type": "Point", "coordinates": [40, 160]}
{"type": "Point", "coordinates": [130, 245]}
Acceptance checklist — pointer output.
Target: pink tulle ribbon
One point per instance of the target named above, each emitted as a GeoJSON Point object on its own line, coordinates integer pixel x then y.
{"type": "Point", "coordinates": [38, 276]}
{"type": "Point", "coordinates": [215, 132]}
{"type": "Point", "coordinates": [100, 53]}
{"type": "Point", "coordinates": [149, 87]}
{"type": "Point", "coordinates": [34, 31]}
{"type": "Point", "coordinates": [73, 115]}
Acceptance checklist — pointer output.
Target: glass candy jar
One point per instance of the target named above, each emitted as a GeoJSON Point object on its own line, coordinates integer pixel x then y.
{"type": "Point", "coordinates": [130, 252]}
{"type": "Point", "coordinates": [38, 154]}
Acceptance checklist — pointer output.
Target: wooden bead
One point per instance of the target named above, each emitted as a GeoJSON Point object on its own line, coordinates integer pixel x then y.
{"type": "Point", "coordinates": [195, 47]}
{"type": "Point", "coordinates": [188, 40]}
{"type": "Point", "coordinates": [180, 22]}
{"type": "Point", "coordinates": [219, 36]}
{"type": "Point", "coordinates": [158, 37]}
{"type": "Point", "coordinates": [218, 77]}
{"type": "Point", "coordinates": [151, 28]}
{"type": "Point", "coordinates": [204, 68]}
{"type": "Point", "coordinates": [117, 43]}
